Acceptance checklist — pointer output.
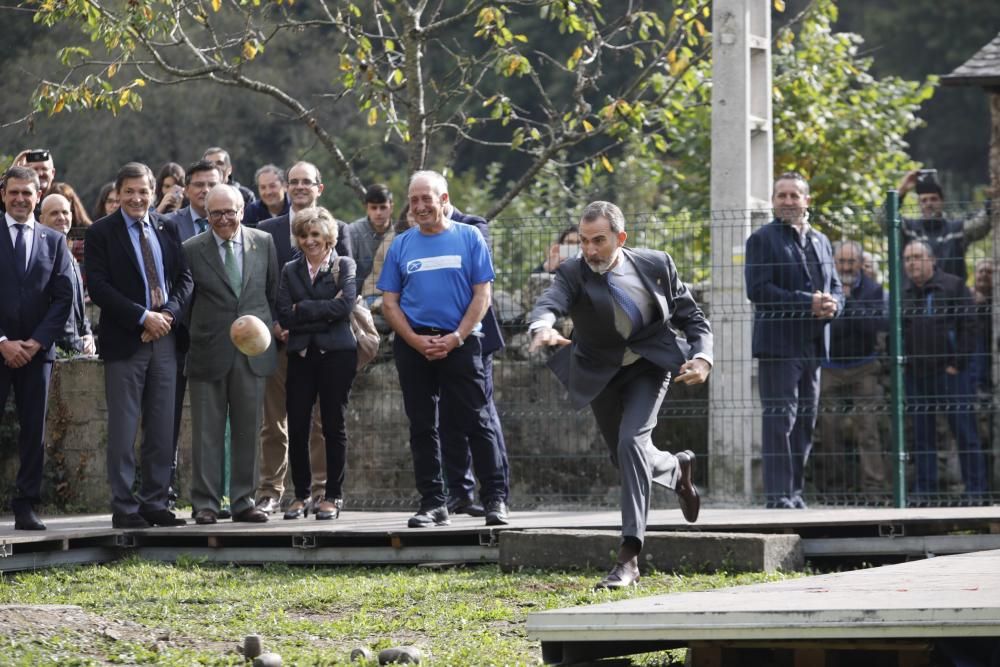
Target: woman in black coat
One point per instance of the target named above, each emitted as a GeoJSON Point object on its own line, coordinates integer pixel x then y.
{"type": "Point", "coordinates": [315, 299]}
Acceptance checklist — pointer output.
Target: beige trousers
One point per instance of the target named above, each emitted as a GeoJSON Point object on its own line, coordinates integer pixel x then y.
{"type": "Point", "coordinates": [274, 439]}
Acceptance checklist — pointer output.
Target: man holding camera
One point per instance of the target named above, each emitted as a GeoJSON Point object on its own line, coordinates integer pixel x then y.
{"type": "Point", "coordinates": [948, 239]}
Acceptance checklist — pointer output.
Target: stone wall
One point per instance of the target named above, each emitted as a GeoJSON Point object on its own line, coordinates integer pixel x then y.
{"type": "Point", "coordinates": [557, 455]}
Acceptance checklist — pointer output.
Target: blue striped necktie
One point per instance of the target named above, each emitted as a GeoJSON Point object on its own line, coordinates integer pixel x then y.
{"type": "Point", "coordinates": [626, 303]}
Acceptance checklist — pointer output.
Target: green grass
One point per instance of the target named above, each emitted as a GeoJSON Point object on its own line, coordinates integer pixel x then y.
{"type": "Point", "coordinates": [144, 613]}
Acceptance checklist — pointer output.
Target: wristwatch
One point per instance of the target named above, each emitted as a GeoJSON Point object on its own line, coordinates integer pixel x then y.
{"type": "Point", "coordinates": [457, 335]}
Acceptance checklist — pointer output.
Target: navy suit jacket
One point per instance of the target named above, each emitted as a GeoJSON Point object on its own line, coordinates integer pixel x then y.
{"type": "Point", "coordinates": [116, 285]}
{"type": "Point", "coordinates": [587, 365]}
{"type": "Point", "coordinates": [181, 222]}
{"type": "Point", "coordinates": [37, 305]}
{"type": "Point", "coordinates": [492, 339]}
{"type": "Point", "coordinates": [257, 212]}
{"type": "Point", "coordinates": [779, 285]}
{"type": "Point", "coordinates": [281, 229]}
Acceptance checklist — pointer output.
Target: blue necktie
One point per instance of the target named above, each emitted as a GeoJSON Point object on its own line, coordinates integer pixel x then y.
{"type": "Point", "coordinates": [626, 303]}
{"type": "Point", "coordinates": [202, 224]}
{"type": "Point", "coordinates": [20, 251]}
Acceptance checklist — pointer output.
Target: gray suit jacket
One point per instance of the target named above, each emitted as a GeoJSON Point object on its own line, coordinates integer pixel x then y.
{"type": "Point", "coordinates": [587, 365]}
{"type": "Point", "coordinates": [215, 306]}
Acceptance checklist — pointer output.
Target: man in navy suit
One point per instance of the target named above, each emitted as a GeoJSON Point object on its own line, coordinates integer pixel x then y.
{"type": "Point", "coordinates": [36, 294]}
{"type": "Point", "coordinates": [795, 292]}
{"type": "Point", "coordinates": [137, 274]}
{"type": "Point", "coordinates": [305, 185]}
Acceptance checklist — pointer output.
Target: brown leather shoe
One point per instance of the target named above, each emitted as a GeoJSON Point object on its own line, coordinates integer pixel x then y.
{"type": "Point", "coordinates": [687, 493]}
{"type": "Point", "coordinates": [206, 517]}
{"type": "Point", "coordinates": [328, 509]}
{"type": "Point", "coordinates": [298, 509]}
{"type": "Point", "coordinates": [622, 575]}
{"type": "Point", "coordinates": [250, 515]}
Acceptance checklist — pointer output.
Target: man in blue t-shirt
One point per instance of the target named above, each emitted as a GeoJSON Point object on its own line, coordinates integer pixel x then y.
{"type": "Point", "coordinates": [435, 290]}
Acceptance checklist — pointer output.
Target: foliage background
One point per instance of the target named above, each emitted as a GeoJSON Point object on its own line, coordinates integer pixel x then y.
{"type": "Point", "coordinates": [844, 107]}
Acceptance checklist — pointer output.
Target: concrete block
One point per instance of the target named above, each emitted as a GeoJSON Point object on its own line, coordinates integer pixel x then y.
{"type": "Point", "coordinates": [668, 552]}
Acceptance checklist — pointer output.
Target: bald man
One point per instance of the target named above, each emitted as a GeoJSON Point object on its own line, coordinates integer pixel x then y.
{"type": "Point", "coordinates": [77, 337]}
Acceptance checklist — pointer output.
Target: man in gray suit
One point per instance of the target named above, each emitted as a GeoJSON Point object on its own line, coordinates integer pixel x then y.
{"type": "Point", "coordinates": [625, 305]}
{"type": "Point", "coordinates": [235, 271]}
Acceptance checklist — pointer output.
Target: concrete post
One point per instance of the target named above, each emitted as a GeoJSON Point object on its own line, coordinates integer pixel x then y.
{"type": "Point", "coordinates": [742, 157]}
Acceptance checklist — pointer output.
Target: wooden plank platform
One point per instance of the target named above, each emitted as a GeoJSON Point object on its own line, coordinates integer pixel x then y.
{"type": "Point", "coordinates": [382, 537]}
{"type": "Point", "coordinates": [898, 607]}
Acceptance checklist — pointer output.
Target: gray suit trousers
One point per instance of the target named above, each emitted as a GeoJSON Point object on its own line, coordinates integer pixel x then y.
{"type": "Point", "coordinates": [626, 412]}
{"type": "Point", "coordinates": [144, 383]}
{"type": "Point", "coordinates": [239, 395]}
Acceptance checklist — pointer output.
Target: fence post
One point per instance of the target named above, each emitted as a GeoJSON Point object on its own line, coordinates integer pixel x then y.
{"type": "Point", "coordinates": [896, 360]}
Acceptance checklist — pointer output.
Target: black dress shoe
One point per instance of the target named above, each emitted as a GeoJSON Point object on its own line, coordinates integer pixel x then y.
{"type": "Point", "coordinates": [130, 521]}
{"type": "Point", "coordinates": [799, 503]}
{"type": "Point", "coordinates": [267, 504]}
{"type": "Point", "coordinates": [496, 513]}
{"type": "Point", "coordinates": [250, 515]}
{"type": "Point", "coordinates": [224, 513]}
{"type": "Point", "coordinates": [432, 516]}
{"type": "Point", "coordinates": [298, 509]}
{"type": "Point", "coordinates": [687, 493]}
{"type": "Point", "coordinates": [27, 520]}
{"type": "Point", "coordinates": [162, 518]}
{"type": "Point", "coordinates": [782, 503]}
{"type": "Point", "coordinates": [328, 509]}
{"type": "Point", "coordinates": [206, 517]}
{"type": "Point", "coordinates": [465, 506]}
{"type": "Point", "coordinates": [622, 575]}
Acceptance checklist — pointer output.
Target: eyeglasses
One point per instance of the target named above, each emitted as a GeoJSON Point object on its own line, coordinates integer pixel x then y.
{"type": "Point", "coordinates": [302, 181]}
{"type": "Point", "coordinates": [229, 214]}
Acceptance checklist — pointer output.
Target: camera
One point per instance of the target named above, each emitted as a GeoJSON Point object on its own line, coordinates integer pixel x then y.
{"type": "Point", "coordinates": [927, 176]}
{"type": "Point", "coordinates": [40, 155]}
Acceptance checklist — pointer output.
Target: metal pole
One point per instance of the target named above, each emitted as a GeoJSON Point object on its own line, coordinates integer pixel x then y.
{"type": "Point", "coordinates": [896, 360]}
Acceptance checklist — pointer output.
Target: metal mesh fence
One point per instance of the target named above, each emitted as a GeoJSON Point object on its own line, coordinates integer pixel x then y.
{"type": "Point", "coordinates": [559, 460]}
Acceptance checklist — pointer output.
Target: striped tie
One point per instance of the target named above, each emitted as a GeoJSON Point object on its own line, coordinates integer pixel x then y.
{"type": "Point", "coordinates": [626, 303]}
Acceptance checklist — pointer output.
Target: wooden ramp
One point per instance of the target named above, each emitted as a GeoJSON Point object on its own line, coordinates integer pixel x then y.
{"type": "Point", "coordinates": [903, 609]}
{"type": "Point", "coordinates": [372, 537]}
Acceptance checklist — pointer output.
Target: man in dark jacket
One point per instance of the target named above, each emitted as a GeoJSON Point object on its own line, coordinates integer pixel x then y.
{"type": "Point", "coordinates": [849, 382]}
{"type": "Point", "coordinates": [795, 291]}
{"type": "Point", "coordinates": [939, 334]}
{"type": "Point", "coordinates": [948, 239]}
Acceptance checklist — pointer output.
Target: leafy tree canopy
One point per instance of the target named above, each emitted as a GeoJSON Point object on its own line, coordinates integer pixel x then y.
{"type": "Point", "coordinates": [430, 76]}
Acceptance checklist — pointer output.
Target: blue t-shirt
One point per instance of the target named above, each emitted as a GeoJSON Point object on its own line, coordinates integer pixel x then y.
{"type": "Point", "coordinates": [434, 274]}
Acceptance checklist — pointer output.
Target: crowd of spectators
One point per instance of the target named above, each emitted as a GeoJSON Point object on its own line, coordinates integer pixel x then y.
{"type": "Point", "coordinates": [819, 336]}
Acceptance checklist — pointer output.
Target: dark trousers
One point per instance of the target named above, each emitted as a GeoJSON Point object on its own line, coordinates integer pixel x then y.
{"type": "Point", "coordinates": [789, 395]}
{"type": "Point", "coordinates": [455, 455]}
{"type": "Point", "coordinates": [31, 395]}
{"type": "Point", "coordinates": [927, 395]}
{"type": "Point", "coordinates": [140, 392]}
{"type": "Point", "coordinates": [459, 380]}
{"type": "Point", "coordinates": [330, 376]}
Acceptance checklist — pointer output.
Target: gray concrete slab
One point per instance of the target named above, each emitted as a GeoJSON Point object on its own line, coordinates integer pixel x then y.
{"type": "Point", "coordinates": [951, 596]}
{"type": "Point", "coordinates": [664, 551]}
